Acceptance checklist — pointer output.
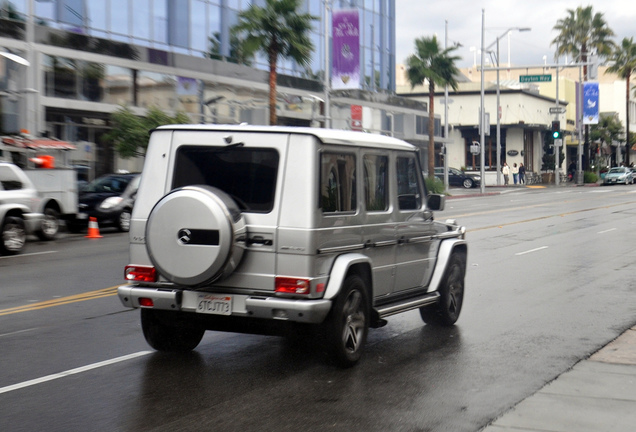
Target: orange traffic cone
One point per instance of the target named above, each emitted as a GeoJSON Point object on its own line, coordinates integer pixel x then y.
{"type": "Point", "coordinates": [93, 229]}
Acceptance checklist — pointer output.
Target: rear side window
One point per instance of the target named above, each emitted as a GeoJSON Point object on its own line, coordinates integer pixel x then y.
{"type": "Point", "coordinates": [375, 182]}
{"type": "Point", "coordinates": [9, 179]}
{"type": "Point", "coordinates": [248, 175]}
{"type": "Point", "coordinates": [337, 182]}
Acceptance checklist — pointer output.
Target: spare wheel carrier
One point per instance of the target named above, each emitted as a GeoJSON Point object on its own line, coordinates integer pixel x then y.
{"type": "Point", "coordinates": [195, 235]}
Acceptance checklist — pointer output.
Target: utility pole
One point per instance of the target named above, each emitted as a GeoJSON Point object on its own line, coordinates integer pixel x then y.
{"type": "Point", "coordinates": [482, 112]}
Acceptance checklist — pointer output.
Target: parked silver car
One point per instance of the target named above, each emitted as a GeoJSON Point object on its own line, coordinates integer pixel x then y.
{"type": "Point", "coordinates": [617, 175]}
{"type": "Point", "coordinates": [19, 205]}
{"type": "Point", "coordinates": [271, 229]}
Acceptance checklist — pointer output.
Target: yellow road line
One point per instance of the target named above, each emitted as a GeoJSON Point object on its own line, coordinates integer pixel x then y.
{"type": "Point", "coordinates": [91, 295]}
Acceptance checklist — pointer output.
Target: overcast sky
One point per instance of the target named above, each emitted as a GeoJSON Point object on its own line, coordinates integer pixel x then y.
{"type": "Point", "coordinates": [425, 18]}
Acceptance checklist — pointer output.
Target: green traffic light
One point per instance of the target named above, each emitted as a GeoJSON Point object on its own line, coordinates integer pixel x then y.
{"type": "Point", "coordinates": [556, 134]}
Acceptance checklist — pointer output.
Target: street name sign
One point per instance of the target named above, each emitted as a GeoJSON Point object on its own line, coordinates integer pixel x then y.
{"type": "Point", "coordinates": [557, 110]}
{"type": "Point", "coordinates": [535, 78]}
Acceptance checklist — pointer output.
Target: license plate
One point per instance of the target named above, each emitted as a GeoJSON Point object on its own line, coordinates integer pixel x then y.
{"type": "Point", "coordinates": [214, 304]}
{"type": "Point", "coordinates": [82, 215]}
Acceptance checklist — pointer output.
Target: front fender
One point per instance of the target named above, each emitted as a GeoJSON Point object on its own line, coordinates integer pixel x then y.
{"type": "Point", "coordinates": [339, 271]}
{"type": "Point", "coordinates": [446, 249]}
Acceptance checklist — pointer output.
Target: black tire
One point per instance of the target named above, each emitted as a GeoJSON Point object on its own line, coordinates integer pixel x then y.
{"type": "Point", "coordinates": [347, 325]}
{"type": "Point", "coordinates": [165, 331]}
{"type": "Point", "coordinates": [123, 222]}
{"type": "Point", "coordinates": [467, 183]}
{"type": "Point", "coordinates": [446, 311]}
{"type": "Point", "coordinates": [50, 225]}
{"type": "Point", "coordinates": [13, 235]}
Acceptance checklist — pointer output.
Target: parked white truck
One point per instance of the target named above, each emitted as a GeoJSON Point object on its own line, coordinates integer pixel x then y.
{"type": "Point", "coordinates": [47, 163]}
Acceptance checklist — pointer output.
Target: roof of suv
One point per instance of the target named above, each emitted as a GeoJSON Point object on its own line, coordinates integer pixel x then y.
{"type": "Point", "coordinates": [327, 136]}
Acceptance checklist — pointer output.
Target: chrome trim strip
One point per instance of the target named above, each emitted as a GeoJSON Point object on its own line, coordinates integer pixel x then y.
{"type": "Point", "coordinates": [385, 243]}
{"type": "Point", "coordinates": [341, 248]}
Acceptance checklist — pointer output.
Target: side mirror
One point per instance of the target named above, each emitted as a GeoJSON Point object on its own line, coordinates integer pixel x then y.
{"type": "Point", "coordinates": [436, 202]}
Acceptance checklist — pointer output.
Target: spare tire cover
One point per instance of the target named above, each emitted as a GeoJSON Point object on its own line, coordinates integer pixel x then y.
{"type": "Point", "coordinates": [195, 235]}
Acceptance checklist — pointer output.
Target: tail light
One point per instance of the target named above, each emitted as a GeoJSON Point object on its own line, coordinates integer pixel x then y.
{"type": "Point", "coordinates": [140, 273]}
{"type": "Point", "coordinates": [289, 285]}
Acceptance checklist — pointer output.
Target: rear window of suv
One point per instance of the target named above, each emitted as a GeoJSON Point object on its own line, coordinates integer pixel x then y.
{"type": "Point", "coordinates": [247, 174]}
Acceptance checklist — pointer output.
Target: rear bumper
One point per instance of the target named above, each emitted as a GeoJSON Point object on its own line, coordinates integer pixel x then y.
{"type": "Point", "coordinates": [302, 311]}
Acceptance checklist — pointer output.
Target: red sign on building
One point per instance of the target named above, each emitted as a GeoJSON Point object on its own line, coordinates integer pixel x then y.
{"type": "Point", "coordinates": [356, 117]}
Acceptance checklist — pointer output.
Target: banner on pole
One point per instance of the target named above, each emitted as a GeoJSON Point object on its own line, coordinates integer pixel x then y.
{"type": "Point", "coordinates": [346, 49]}
{"type": "Point", "coordinates": [590, 103]}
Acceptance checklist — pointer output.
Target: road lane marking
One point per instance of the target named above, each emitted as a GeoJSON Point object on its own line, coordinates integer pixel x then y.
{"type": "Point", "coordinates": [91, 295]}
{"type": "Point", "coordinates": [606, 231]}
{"type": "Point", "coordinates": [530, 206]}
{"type": "Point", "coordinates": [531, 250]}
{"type": "Point", "coordinates": [18, 332]}
{"type": "Point", "coordinates": [72, 372]}
{"type": "Point", "coordinates": [27, 254]}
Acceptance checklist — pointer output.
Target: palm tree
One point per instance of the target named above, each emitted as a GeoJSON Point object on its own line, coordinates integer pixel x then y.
{"type": "Point", "coordinates": [581, 33]}
{"type": "Point", "coordinates": [277, 30]}
{"type": "Point", "coordinates": [624, 63]}
{"type": "Point", "coordinates": [437, 66]}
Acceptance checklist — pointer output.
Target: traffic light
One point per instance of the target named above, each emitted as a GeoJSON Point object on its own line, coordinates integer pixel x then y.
{"type": "Point", "coordinates": [556, 129]}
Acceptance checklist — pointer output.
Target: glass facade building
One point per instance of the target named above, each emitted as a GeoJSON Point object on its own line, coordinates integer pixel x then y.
{"type": "Point", "coordinates": [201, 28]}
{"type": "Point", "coordinates": [90, 57]}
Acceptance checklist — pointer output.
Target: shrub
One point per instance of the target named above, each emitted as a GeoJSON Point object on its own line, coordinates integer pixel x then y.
{"type": "Point", "coordinates": [434, 185]}
{"type": "Point", "coordinates": [590, 177]}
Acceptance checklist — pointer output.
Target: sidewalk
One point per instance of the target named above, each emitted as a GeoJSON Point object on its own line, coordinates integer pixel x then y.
{"type": "Point", "coordinates": [598, 394]}
{"type": "Point", "coordinates": [458, 192]}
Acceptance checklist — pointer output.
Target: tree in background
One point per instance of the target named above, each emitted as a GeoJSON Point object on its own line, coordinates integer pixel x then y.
{"type": "Point", "coordinates": [581, 33]}
{"type": "Point", "coordinates": [608, 131]}
{"type": "Point", "coordinates": [130, 133]}
{"type": "Point", "coordinates": [437, 66]}
{"type": "Point", "coordinates": [624, 64]}
{"type": "Point", "coordinates": [277, 30]}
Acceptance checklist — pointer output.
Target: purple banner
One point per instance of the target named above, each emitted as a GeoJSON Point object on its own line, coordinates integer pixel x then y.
{"type": "Point", "coordinates": [346, 49]}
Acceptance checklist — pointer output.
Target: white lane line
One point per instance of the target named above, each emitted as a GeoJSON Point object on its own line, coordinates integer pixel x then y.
{"type": "Point", "coordinates": [17, 332]}
{"type": "Point", "coordinates": [607, 230]}
{"type": "Point", "coordinates": [531, 250]}
{"type": "Point", "coordinates": [72, 372]}
{"type": "Point", "coordinates": [27, 254]}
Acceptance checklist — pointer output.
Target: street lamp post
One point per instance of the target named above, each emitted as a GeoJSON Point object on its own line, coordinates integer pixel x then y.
{"type": "Point", "coordinates": [326, 83]}
{"type": "Point", "coordinates": [497, 62]}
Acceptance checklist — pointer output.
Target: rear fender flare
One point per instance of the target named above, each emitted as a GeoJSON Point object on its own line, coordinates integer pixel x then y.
{"type": "Point", "coordinates": [340, 270]}
{"type": "Point", "coordinates": [14, 209]}
{"type": "Point", "coordinates": [446, 249]}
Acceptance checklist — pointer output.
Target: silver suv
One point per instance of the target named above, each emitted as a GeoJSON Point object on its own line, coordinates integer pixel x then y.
{"type": "Point", "coordinates": [267, 229]}
{"type": "Point", "coordinates": [19, 204]}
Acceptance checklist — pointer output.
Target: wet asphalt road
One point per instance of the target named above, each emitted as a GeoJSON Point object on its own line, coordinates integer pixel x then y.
{"type": "Point", "coordinates": [549, 281]}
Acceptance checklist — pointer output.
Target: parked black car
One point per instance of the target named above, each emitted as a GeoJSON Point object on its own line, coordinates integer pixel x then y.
{"type": "Point", "coordinates": [109, 199]}
{"type": "Point", "coordinates": [458, 178]}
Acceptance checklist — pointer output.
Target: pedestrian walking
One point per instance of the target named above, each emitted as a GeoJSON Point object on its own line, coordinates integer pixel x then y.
{"type": "Point", "coordinates": [505, 170]}
{"type": "Point", "coordinates": [522, 174]}
{"type": "Point", "coordinates": [515, 173]}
